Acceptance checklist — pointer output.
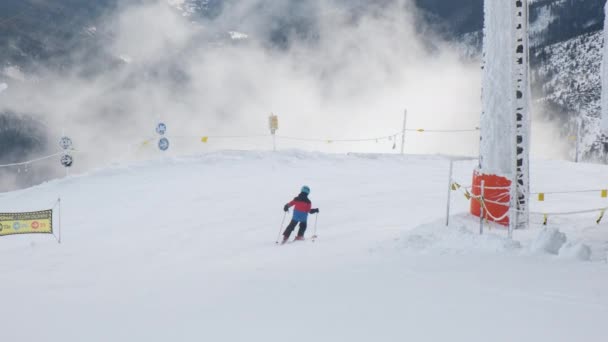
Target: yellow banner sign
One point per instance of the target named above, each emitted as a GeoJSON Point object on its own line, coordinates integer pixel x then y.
{"type": "Point", "coordinates": [37, 222]}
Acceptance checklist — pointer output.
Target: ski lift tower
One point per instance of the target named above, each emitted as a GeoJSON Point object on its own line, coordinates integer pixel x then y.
{"type": "Point", "coordinates": [505, 118]}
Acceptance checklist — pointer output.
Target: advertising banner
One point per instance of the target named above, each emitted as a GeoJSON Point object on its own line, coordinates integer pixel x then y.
{"type": "Point", "coordinates": [36, 222]}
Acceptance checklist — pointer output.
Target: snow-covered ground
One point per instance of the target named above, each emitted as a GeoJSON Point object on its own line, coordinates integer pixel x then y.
{"type": "Point", "coordinates": [183, 249]}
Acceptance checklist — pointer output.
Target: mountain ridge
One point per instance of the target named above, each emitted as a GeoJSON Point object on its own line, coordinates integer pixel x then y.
{"type": "Point", "coordinates": [37, 34]}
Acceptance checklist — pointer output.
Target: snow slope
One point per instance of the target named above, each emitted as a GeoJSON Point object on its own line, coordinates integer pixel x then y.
{"type": "Point", "coordinates": [183, 250]}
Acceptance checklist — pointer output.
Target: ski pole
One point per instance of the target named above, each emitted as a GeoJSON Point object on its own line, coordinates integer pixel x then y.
{"type": "Point", "coordinates": [281, 228]}
{"type": "Point", "coordinates": [314, 233]}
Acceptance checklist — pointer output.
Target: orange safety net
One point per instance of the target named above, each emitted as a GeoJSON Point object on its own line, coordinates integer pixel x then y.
{"type": "Point", "coordinates": [496, 194]}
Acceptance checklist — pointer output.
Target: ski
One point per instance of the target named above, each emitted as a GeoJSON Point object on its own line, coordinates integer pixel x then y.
{"type": "Point", "coordinates": [289, 242]}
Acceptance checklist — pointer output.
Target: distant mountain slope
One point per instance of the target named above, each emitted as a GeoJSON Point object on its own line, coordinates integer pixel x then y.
{"type": "Point", "coordinates": [32, 30]}
{"type": "Point", "coordinates": [569, 73]}
{"type": "Point", "coordinates": [567, 83]}
{"type": "Point", "coordinates": [555, 21]}
{"type": "Point", "coordinates": [565, 57]}
{"type": "Point", "coordinates": [565, 46]}
{"type": "Point", "coordinates": [45, 31]}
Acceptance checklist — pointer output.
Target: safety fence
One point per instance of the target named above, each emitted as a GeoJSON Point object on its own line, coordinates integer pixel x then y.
{"type": "Point", "coordinates": [210, 138]}
{"type": "Point", "coordinates": [390, 137]}
{"type": "Point", "coordinates": [32, 161]}
{"type": "Point", "coordinates": [67, 151]}
{"type": "Point", "coordinates": [539, 197]}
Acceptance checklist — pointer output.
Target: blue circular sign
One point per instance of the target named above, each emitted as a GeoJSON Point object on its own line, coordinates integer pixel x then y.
{"type": "Point", "coordinates": [161, 129]}
{"type": "Point", "coordinates": [65, 143]}
{"type": "Point", "coordinates": [67, 160]}
{"type": "Point", "coordinates": [16, 226]}
{"type": "Point", "coordinates": [163, 144]}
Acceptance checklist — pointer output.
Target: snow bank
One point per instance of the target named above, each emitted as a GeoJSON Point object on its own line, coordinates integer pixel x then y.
{"type": "Point", "coordinates": [575, 251]}
{"type": "Point", "coordinates": [456, 240]}
{"type": "Point", "coordinates": [550, 240]}
{"type": "Point", "coordinates": [435, 238]}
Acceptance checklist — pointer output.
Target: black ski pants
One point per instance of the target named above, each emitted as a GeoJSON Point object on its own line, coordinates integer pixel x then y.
{"type": "Point", "coordinates": [292, 225]}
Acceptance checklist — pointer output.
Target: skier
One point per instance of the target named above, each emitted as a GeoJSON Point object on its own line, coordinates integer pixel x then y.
{"type": "Point", "coordinates": [300, 214]}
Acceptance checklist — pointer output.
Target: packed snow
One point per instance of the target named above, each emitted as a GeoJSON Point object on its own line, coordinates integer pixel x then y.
{"type": "Point", "coordinates": [550, 240]}
{"type": "Point", "coordinates": [183, 249]}
{"type": "Point", "coordinates": [576, 251]}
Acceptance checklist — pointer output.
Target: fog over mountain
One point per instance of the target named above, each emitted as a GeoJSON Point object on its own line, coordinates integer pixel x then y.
{"type": "Point", "coordinates": [106, 71]}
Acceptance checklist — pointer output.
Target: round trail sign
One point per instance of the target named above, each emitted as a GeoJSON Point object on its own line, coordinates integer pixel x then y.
{"type": "Point", "coordinates": [67, 160]}
{"type": "Point", "coordinates": [65, 143]}
{"type": "Point", "coordinates": [163, 144]}
{"type": "Point", "coordinates": [161, 129]}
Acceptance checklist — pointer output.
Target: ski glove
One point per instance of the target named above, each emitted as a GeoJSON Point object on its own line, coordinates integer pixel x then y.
{"type": "Point", "coordinates": [286, 208]}
{"type": "Point", "coordinates": [314, 211]}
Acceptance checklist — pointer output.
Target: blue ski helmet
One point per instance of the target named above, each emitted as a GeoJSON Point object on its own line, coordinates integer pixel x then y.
{"type": "Point", "coordinates": [305, 189]}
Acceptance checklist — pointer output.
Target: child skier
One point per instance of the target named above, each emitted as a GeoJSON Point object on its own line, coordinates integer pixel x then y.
{"type": "Point", "coordinates": [300, 214]}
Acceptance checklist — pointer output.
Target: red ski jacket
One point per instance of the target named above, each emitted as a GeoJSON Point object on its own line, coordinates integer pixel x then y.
{"type": "Point", "coordinates": [302, 206]}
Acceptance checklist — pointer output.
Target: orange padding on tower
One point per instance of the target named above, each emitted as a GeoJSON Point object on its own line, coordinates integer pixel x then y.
{"type": "Point", "coordinates": [497, 196]}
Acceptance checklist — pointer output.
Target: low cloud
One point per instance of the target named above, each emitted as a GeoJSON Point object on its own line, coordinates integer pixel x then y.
{"type": "Point", "coordinates": [329, 69]}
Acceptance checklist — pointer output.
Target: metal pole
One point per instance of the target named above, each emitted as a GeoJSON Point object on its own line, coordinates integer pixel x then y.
{"type": "Point", "coordinates": [281, 229]}
{"type": "Point", "coordinates": [514, 206]}
{"type": "Point", "coordinates": [403, 132]}
{"type": "Point", "coordinates": [481, 206]}
{"type": "Point", "coordinates": [447, 215]}
{"type": "Point", "coordinates": [578, 139]}
{"type": "Point", "coordinates": [511, 220]}
{"type": "Point", "coordinates": [314, 236]}
{"type": "Point", "coordinates": [59, 201]}
{"type": "Point", "coordinates": [274, 142]}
